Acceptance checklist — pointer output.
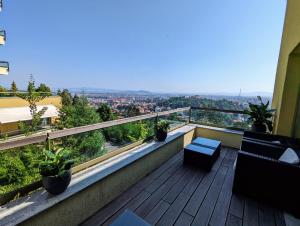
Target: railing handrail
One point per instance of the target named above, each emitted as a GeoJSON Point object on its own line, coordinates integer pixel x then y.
{"type": "Point", "coordinates": [38, 138]}
{"type": "Point", "coordinates": [218, 110]}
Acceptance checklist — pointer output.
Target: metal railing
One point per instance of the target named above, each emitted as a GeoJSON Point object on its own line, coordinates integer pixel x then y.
{"type": "Point", "coordinates": [45, 138]}
{"type": "Point", "coordinates": [38, 138]}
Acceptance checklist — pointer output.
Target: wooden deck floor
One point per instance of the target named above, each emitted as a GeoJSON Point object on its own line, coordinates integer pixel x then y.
{"type": "Point", "coordinates": [176, 194]}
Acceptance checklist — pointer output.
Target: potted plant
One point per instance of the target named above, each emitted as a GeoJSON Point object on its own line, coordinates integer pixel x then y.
{"type": "Point", "coordinates": [162, 130]}
{"type": "Point", "coordinates": [260, 116]}
{"type": "Point", "coordinates": [56, 170]}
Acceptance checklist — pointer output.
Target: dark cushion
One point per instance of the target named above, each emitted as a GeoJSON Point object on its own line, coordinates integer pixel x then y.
{"type": "Point", "coordinates": [207, 142]}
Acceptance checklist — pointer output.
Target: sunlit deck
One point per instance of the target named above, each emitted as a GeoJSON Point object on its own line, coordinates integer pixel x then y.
{"type": "Point", "coordinates": [176, 194]}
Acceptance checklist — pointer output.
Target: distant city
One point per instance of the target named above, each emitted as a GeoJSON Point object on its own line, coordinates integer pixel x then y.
{"type": "Point", "coordinates": [148, 102]}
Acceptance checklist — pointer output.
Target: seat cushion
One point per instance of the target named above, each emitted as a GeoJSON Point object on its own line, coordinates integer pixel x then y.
{"type": "Point", "coordinates": [289, 156]}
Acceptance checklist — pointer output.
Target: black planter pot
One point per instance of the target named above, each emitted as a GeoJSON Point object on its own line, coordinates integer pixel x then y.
{"type": "Point", "coordinates": [57, 184]}
{"type": "Point", "coordinates": [261, 128]}
{"type": "Point", "coordinates": [161, 135]}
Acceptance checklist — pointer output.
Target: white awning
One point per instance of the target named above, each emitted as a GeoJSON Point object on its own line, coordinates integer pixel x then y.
{"type": "Point", "coordinates": [17, 114]}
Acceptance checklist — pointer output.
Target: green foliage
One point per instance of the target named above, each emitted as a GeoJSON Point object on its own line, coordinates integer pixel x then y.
{"type": "Point", "coordinates": [14, 88]}
{"type": "Point", "coordinates": [19, 167]}
{"type": "Point", "coordinates": [260, 114]}
{"type": "Point", "coordinates": [3, 92]}
{"type": "Point", "coordinates": [163, 125]}
{"type": "Point", "coordinates": [32, 97]}
{"type": "Point", "coordinates": [86, 145]}
{"type": "Point", "coordinates": [12, 170]}
{"type": "Point", "coordinates": [132, 110]}
{"type": "Point", "coordinates": [130, 132]}
{"type": "Point", "coordinates": [78, 114]}
{"type": "Point", "coordinates": [91, 145]}
{"type": "Point", "coordinates": [56, 163]}
{"type": "Point", "coordinates": [44, 89]}
{"type": "Point", "coordinates": [66, 97]}
{"type": "Point", "coordinates": [105, 112]}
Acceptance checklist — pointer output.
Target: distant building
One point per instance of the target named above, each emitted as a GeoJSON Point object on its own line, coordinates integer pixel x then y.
{"type": "Point", "coordinates": [14, 109]}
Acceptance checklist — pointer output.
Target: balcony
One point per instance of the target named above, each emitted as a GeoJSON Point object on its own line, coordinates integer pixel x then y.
{"type": "Point", "coordinates": [2, 37]}
{"type": "Point", "coordinates": [4, 68]}
{"type": "Point", "coordinates": [147, 177]}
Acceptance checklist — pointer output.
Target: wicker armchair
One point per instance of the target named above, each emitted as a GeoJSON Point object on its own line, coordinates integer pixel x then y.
{"type": "Point", "coordinates": [260, 175]}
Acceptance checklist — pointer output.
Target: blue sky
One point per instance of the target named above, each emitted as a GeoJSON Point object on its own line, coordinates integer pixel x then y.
{"type": "Point", "coordinates": [157, 45]}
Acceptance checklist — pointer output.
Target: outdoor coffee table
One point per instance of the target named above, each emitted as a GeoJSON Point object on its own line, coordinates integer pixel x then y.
{"type": "Point", "coordinates": [202, 152]}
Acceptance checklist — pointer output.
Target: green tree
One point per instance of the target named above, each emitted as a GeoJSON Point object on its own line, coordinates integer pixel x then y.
{"type": "Point", "coordinates": [66, 97]}
{"type": "Point", "coordinates": [32, 97]}
{"type": "Point", "coordinates": [14, 88]}
{"type": "Point", "coordinates": [3, 91]}
{"type": "Point", "coordinates": [105, 112]}
{"type": "Point", "coordinates": [132, 110]}
{"type": "Point", "coordinates": [85, 145]}
{"type": "Point", "coordinates": [44, 89]}
{"type": "Point", "coordinates": [75, 99]}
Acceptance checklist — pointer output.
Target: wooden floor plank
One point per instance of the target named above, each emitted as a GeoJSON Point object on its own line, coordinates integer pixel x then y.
{"type": "Point", "coordinates": [184, 220]}
{"type": "Point", "coordinates": [197, 198]}
{"type": "Point", "coordinates": [175, 194]}
{"type": "Point", "coordinates": [222, 207]}
{"type": "Point", "coordinates": [156, 213]}
{"type": "Point", "coordinates": [279, 218]}
{"type": "Point", "coordinates": [206, 209]}
{"type": "Point", "coordinates": [233, 220]}
{"type": "Point", "coordinates": [169, 218]}
{"type": "Point", "coordinates": [178, 187]}
{"type": "Point", "coordinates": [110, 209]}
{"type": "Point", "coordinates": [237, 205]}
{"type": "Point", "coordinates": [163, 177]}
{"type": "Point", "coordinates": [250, 213]}
{"type": "Point", "coordinates": [149, 204]}
{"type": "Point", "coordinates": [266, 215]}
{"type": "Point", "coordinates": [131, 205]}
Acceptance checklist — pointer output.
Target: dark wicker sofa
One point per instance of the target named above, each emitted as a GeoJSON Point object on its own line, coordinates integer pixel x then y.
{"type": "Point", "coordinates": [260, 175]}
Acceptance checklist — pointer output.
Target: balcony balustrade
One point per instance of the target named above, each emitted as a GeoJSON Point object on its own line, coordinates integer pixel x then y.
{"type": "Point", "coordinates": [173, 194]}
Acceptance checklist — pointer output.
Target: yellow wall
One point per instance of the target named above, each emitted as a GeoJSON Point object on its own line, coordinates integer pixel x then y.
{"type": "Point", "coordinates": [9, 102]}
{"type": "Point", "coordinates": [287, 83]}
{"type": "Point", "coordinates": [9, 128]}
{"type": "Point", "coordinates": [230, 139]}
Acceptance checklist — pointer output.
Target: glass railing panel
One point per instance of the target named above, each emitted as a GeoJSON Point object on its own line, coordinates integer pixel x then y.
{"type": "Point", "coordinates": [19, 167]}
{"type": "Point", "coordinates": [226, 119]}
{"type": "Point", "coordinates": [177, 119]}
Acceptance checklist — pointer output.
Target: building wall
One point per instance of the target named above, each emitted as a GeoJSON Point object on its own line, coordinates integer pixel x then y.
{"type": "Point", "coordinates": [229, 139]}
{"type": "Point", "coordinates": [6, 102]}
{"type": "Point", "coordinates": [285, 98]}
